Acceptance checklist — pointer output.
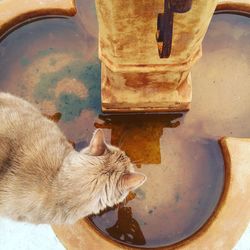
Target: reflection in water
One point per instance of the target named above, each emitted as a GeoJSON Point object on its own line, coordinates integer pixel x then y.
{"type": "Point", "coordinates": [126, 228]}
{"type": "Point", "coordinates": [139, 135]}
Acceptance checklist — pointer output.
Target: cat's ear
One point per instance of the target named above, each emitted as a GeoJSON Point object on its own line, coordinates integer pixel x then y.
{"type": "Point", "coordinates": [97, 144]}
{"type": "Point", "coordinates": [133, 180]}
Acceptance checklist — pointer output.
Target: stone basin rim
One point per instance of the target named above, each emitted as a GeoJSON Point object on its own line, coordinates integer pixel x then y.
{"type": "Point", "coordinates": [232, 7]}
{"type": "Point", "coordinates": [29, 21]}
{"type": "Point", "coordinates": [32, 12]}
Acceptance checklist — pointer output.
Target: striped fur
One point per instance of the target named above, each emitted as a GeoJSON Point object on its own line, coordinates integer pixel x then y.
{"type": "Point", "coordinates": [44, 180]}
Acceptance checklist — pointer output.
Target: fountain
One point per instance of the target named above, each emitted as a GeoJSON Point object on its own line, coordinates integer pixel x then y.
{"type": "Point", "coordinates": [194, 182]}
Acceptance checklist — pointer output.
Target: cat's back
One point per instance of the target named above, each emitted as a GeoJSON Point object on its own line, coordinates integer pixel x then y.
{"type": "Point", "coordinates": [19, 118]}
{"type": "Point", "coordinates": [15, 113]}
{"type": "Point", "coordinates": [24, 123]}
{"type": "Point", "coordinates": [32, 148]}
{"type": "Point", "coordinates": [30, 136]}
{"type": "Point", "coordinates": [32, 151]}
{"type": "Point", "coordinates": [10, 101]}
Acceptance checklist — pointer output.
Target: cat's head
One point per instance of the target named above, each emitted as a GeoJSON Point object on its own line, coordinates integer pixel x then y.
{"type": "Point", "coordinates": [113, 172]}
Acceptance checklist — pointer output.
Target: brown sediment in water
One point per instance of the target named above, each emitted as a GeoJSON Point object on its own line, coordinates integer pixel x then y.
{"type": "Point", "coordinates": [178, 152]}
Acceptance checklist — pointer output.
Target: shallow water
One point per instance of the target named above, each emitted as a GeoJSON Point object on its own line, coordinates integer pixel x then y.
{"type": "Point", "coordinates": [53, 63]}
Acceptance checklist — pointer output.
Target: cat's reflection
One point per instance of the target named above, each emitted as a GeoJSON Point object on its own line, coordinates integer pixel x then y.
{"type": "Point", "coordinates": [139, 134]}
{"type": "Point", "coordinates": [126, 228]}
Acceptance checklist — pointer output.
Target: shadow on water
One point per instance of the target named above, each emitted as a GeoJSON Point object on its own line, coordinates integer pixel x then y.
{"type": "Point", "coordinates": [126, 229]}
{"type": "Point", "coordinates": [139, 135]}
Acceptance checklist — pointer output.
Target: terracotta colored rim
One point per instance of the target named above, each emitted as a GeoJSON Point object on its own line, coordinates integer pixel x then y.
{"type": "Point", "coordinates": [233, 8]}
{"type": "Point", "coordinates": [33, 16]}
{"type": "Point", "coordinates": [12, 28]}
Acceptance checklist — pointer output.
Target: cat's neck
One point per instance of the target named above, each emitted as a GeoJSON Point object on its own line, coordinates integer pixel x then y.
{"type": "Point", "coordinates": [75, 189]}
{"type": "Point", "coordinates": [76, 168]}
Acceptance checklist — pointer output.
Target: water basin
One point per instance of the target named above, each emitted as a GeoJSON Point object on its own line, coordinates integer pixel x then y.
{"type": "Point", "coordinates": [53, 63]}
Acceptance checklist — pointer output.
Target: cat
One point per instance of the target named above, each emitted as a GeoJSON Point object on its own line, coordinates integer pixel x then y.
{"type": "Point", "coordinates": [43, 180]}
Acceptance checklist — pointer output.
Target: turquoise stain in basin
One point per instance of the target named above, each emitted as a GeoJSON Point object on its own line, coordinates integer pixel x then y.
{"type": "Point", "coordinates": [24, 61]}
{"type": "Point", "coordinates": [71, 105]}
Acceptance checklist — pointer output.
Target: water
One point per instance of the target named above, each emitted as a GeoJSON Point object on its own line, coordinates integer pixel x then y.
{"type": "Point", "coordinates": [53, 63]}
{"type": "Point", "coordinates": [185, 178]}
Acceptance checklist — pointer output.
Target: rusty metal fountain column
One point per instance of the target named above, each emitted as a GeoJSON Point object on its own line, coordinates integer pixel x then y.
{"type": "Point", "coordinates": [134, 77]}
